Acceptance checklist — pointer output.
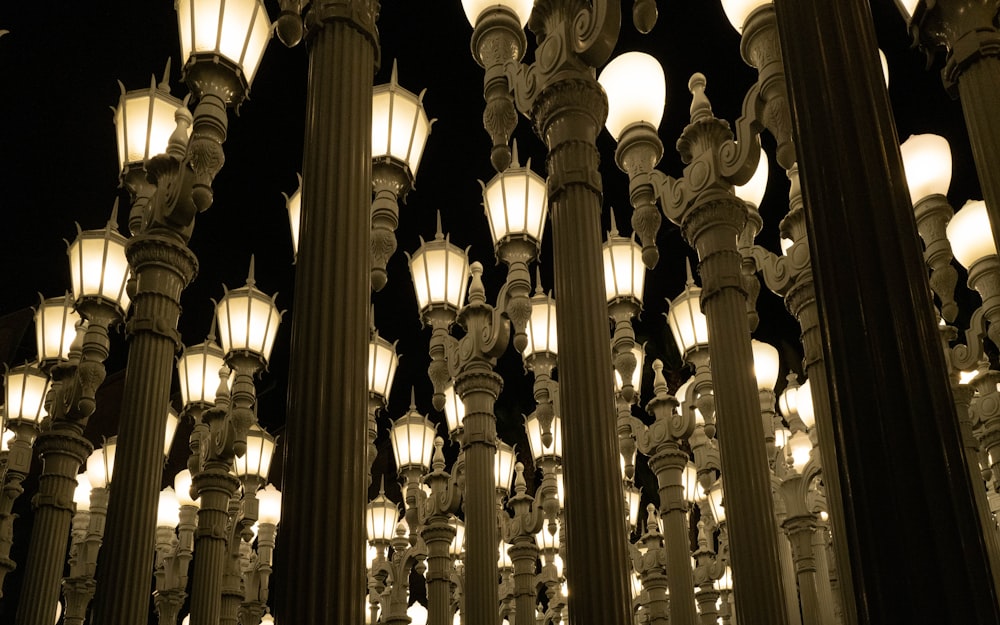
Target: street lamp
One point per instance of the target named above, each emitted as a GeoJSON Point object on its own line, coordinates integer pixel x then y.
{"type": "Point", "coordinates": [55, 328]}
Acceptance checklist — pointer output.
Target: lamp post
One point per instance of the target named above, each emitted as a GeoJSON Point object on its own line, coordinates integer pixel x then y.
{"type": "Point", "coordinates": [257, 575]}
{"type": "Point", "coordinates": [382, 364]}
{"type": "Point", "coordinates": [99, 271]}
{"type": "Point", "coordinates": [222, 47]}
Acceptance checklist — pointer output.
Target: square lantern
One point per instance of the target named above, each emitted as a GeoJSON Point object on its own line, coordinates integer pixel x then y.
{"type": "Point", "coordinates": [144, 121]}
{"type": "Point", "coordinates": [55, 328]}
{"type": "Point", "coordinates": [98, 267]}
{"type": "Point", "coordinates": [381, 517]}
{"type": "Point", "coordinates": [516, 203]}
{"type": "Point", "coordinates": [256, 462]}
{"type": "Point", "coordinates": [236, 31]}
{"type": "Point", "coordinates": [687, 323]}
{"type": "Point", "coordinates": [624, 271]}
{"type": "Point", "coordinates": [440, 272]}
{"type": "Point", "coordinates": [399, 125]}
{"type": "Point", "coordinates": [25, 389]}
{"type": "Point", "coordinates": [382, 364]}
{"type": "Point", "coordinates": [248, 321]}
{"type": "Point", "coordinates": [412, 437]}
{"type": "Point", "coordinates": [198, 371]}
{"type": "Point", "coordinates": [541, 327]}
{"type": "Point", "coordinates": [503, 465]}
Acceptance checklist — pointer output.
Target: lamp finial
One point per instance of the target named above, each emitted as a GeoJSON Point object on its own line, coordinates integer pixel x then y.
{"type": "Point", "coordinates": [165, 81]}
{"type": "Point", "coordinates": [614, 224]}
{"type": "Point", "coordinates": [701, 108]}
{"type": "Point", "coordinates": [513, 159]}
{"type": "Point", "coordinates": [439, 235]}
{"type": "Point", "coordinates": [250, 279]}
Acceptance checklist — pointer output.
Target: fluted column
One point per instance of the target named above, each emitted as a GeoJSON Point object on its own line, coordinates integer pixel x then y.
{"type": "Point", "coordinates": [819, 546]}
{"type": "Point", "coordinates": [329, 343]}
{"type": "Point", "coordinates": [162, 265]}
{"type": "Point", "coordinates": [438, 534]}
{"type": "Point", "coordinates": [62, 450]}
{"type": "Point", "coordinates": [800, 530]}
{"type": "Point", "coordinates": [880, 344]}
{"type": "Point", "coordinates": [668, 464]}
{"type": "Point", "coordinates": [568, 115]}
{"type": "Point", "coordinates": [216, 487]}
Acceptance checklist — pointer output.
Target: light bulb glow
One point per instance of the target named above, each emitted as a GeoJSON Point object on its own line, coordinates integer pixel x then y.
{"type": "Point", "coordinates": [637, 91]}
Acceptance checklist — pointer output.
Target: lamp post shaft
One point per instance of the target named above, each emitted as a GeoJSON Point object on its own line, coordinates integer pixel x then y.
{"type": "Point", "coordinates": [800, 530]}
{"type": "Point", "coordinates": [568, 115]}
{"type": "Point", "coordinates": [62, 451]}
{"type": "Point", "coordinates": [216, 487]}
{"type": "Point", "coordinates": [329, 347]}
{"type": "Point", "coordinates": [668, 463]}
{"type": "Point", "coordinates": [163, 266]}
{"type": "Point", "coordinates": [880, 344]}
{"type": "Point", "coordinates": [437, 535]}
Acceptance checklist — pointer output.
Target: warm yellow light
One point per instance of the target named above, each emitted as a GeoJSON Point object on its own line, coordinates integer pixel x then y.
{"type": "Point", "coordinates": [198, 371]}
{"type": "Point", "coordinates": [725, 582]}
{"type": "Point", "coordinates": [382, 364]}
{"type": "Point", "coordinates": [546, 541]}
{"type": "Point", "coordinates": [98, 267]}
{"type": "Point", "coordinates": [503, 558]}
{"type": "Point", "coordinates": [633, 497]}
{"type": "Point", "coordinates": [457, 545]}
{"type": "Point", "coordinates": [454, 408]}
{"type": "Point", "coordinates": [173, 420]}
{"type": "Point", "coordinates": [687, 323]}
{"type": "Point", "coordinates": [81, 495]}
{"type": "Point", "coordinates": [716, 502]}
{"type": "Point", "coordinates": [753, 190]}
{"type": "Point", "coordinates": [798, 449]}
{"type": "Point", "coordinates": [781, 436]}
{"type": "Point", "coordinates": [765, 364]}
{"type": "Point", "coordinates": [541, 327]}
{"type": "Point", "coordinates": [640, 354]}
{"type": "Point", "coordinates": [55, 327]}
{"type": "Point", "coordinates": [805, 406]}
{"type": "Point", "coordinates": [440, 273]}
{"type": "Point", "coordinates": [538, 449]}
{"type": "Point", "coordinates": [624, 271]}
{"type": "Point", "coordinates": [25, 388]}
{"type": "Point", "coordinates": [399, 124]}
{"type": "Point", "coordinates": [381, 516]}
{"type": "Point", "coordinates": [256, 462]}
{"type": "Point", "coordinates": [417, 614]}
{"type": "Point", "coordinates": [101, 464]}
{"type": "Point", "coordinates": [182, 488]}
{"type": "Point", "coordinates": [269, 510]}
{"type": "Point", "coordinates": [636, 90]}
{"type": "Point", "coordinates": [739, 10]}
{"type": "Point", "coordinates": [247, 320]}
{"type": "Point", "coordinates": [293, 203]}
{"type": "Point", "coordinates": [970, 234]}
{"type": "Point", "coordinates": [412, 437]}
{"type": "Point", "coordinates": [168, 511]}
{"type": "Point", "coordinates": [144, 121]}
{"type": "Point", "coordinates": [927, 165]}
{"type": "Point", "coordinates": [475, 8]}
{"type": "Point", "coordinates": [689, 482]}
{"type": "Point", "coordinates": [516, 203]}
{"type": "Point", "coordinates": [503, 465]}
{"type": "Point", "coordinates": [237, 30]}
{"type": "Point", "coordinates": [907, 7]}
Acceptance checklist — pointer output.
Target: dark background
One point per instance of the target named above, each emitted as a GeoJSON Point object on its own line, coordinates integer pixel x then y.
{"type": "Point", "coordinates": [59, 68]}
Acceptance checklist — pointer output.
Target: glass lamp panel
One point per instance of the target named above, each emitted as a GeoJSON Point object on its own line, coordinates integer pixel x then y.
{"type": "Point", "coordinates": [738, 10]}
{"type": "Point", "coordinates": [503, 465]}
{"type": "Point", "coordinates": [399, 125]}
{"type": "Point", "coordinates": [798, 448]}
{"type": "Point", "coordinates": [235, 29]}
{"type": "Point", "coordinates": [173, 420]}
{"type": "Point", "coordinates": [766, 364]}
{"type": "Point", "coordinates": [753, 190]}
{"type": "Point", "coordinates": [294, 205]}
{"type": "Point", "coordinates": [98, 266]}
{"type": "Point", "coordinates": [516, 203]}
{"type": "Point", "coordinates": [624, 271]}
{"type": "Point", "coordinates": [412, 441]}
{"type": "Point", "coordinates": [381, 516]}
{"type": "Point", "coordinates": [547, 541]}
{"type": "Point", "coordinates": [101, 464]}
{"type": "Point", "coordinates": [927, 165]}
{"type": "Point", "coordinates": [640, 355]}
{"type": "Point", "coordinates": [269, 510]}
{"type": "Point", "coordinates": [970, 235]}
{"type": "Point", "coordinates": [440, 274]}
{"type": "Point", "coordinates": [248, 320]}
{"type": "Point", "coordinates": [475, 8]}
{"type": "Point", "coordinates": [633, 497]}
{"type": "Point", "coordinates": [25, 388]}
{"type": "Point", "coordinates": [6, 436]}
{"type": "Point", "coordinates": [198, 371]}
{"type": "Point", "coordinates": [168, 512]}
{"type": "Point", "coordinates": [716, 502]}
{"type": "Point", "coordinates": [781, 436]}
{"type": "Point", "coordinates": [454, 408]}
{"type": "Point", "coordinates": [457, 545]}
{"type": "Point", "coordinates": [503, 558]}
{"type": "Point", "coordinates": [541, 327]}
{"type": "Point", "coordinates": [689, 482]}
{"type": "Point", "coordinates": [687, 323]}
{"type": "Point", "coordinates": [636, 90]}
{"type": "Point", "coordinates": [182, 488]}
{"type": "Point", "coordinates": [534, 429]}
{"type": "Point", "coordinates": [81, 495]}
{"type": "Point", "coordinates": [257, 459]}
{"type": "Point", "coordinates": [144, 121]}
{"type": "Point", "coordinates": [382, 364]}
{"type": "Point", "coordinates": [804, 404]}
{"type": "Point", "coordinates": [726, 581]}
{"type": "Point", "coordinates": [55, 328]}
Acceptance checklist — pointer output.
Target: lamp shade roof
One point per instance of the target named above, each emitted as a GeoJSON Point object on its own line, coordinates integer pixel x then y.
{"type": "Point", "coordinates": [247, 320]}
{"type": "Point", "coordinates": [144, 121]}
{"type": "Point", "coordinates": [637, 91]}
{"type": "Point", "coordinates": [516, 203]}
{"type": "Point", "coordinates": [237, 30]}
{"type": "Point", "coordinates": [25, 388]}
{"type": "Point", "coordinates": [739, 10]}
{"type": "Point", "coordinates": [970, 234]}
{"type": "Point", "coordinates": [440, 272]}
{"type": "Point", "coordinates": [55, 327]}
{"type": "Point", "coordinates": [927, 165]}
{"type": "Point", "coordinates": [475, 8]}
{"type": "Point", "coordinates": [399, 124]}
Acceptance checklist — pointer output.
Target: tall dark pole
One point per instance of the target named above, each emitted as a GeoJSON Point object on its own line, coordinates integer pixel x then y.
{"type": "Point", "coordinates": [320, 552]}
{"type": "Point", "coordinates": [893, 411]}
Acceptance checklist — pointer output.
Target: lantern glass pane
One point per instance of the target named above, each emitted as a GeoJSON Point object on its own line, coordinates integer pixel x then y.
{"type": "Point", "coordinates": [474, 8]}
{"type": "Point", "coordinates": [98, 267]}
{"type": "Point", "coordinates": [503, 465]}
{"type": "Point", "coordinates": [55, 328]}
{"type": "Point", "coordinates": [624, 271]}
{"type": "Point", "coordinates": [804, 404]}
{"type": "Point", "coordinates": [168, 512]}
{"type": "Point", "coordinates": [25, 391]}
{"type": "Point", "coordinates": [687, 323]}
{"type": "Point", "coordinates": [766, 364]}
{"type": "Point", "coordinates": [440, 275]}
{"type": "Point", "coordinates": [753, 190]}
{"type": "Point", "coordinates": [541, 327]}
{"type": "Point", "coordinates": [454, 408]}
{"type": "Point", "coordinates": [636, 90]}
{"type": "Point", "coordinates": [144, 122]}
{"type": "Point", "coordinates": [381, 517]}
{"type": "Point", "coordinates": [294, 206]}
{"type": "Point", "coordinates": [173, 419]}
{"type": "Point", "coordinates": [198, 371]}
{"type": "Point", "coordinates": [798, 448]}
{"type": "Point", "coordinates": [927, 164]}
{"type": "Point", "coordinates": [538, 450]}
{"type": "Point", "coordinates": [382, 363]}
{"type": "Point", "coordinates": [516, 204]}
{"type": "Point", "coordinates": [247, 321]}
{"type": "Point", "coordinates": [458, 542]}
{"type": "Point", "coordinates": [547, 541]}
{"type": "Point", "coordinates": [633, 497]}
{"type": "Point", "coordinates": [269, 510]}
{"type": "Point", "coordinates": [412, 441]}
{"type": "Point", "coordinates": [689, 482]}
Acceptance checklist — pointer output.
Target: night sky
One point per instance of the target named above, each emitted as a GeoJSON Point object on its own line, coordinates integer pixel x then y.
{"type": "Point", "coordinates": [59, 68]}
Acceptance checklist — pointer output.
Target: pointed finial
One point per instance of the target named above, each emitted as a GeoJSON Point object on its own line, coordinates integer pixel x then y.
{"type": "Point", "coordinates": [701, 108]}
{"type": "Point", "coordinates": [178, 141]}
{"type": "Point", "coordinates": [211, 331]}
{"type": "Point", "coordinates": [222, 392]}
{"type": "Point", "coordinates": [513, 159]}
{"type": "Point", "coordinates": [439, 235]}
{"type": "Point", "coordinates": [652, 524]}
{"type": "Point", "coordinates": [371, 320]}
{"type": "Point", "coordinates": [659, 381]}
{"type": "Point", "coordinates": [393, 78]}
{"type": "Point", "coordinates": [477, 292]}
{"type": "Point", "coordinates": [381, 486]}
{"type": "Point", "coordinates": [614, 225]}
{"type": "Point", "coordinates": [165, 82]}
{"type": "Point", "coordinates": [538, 282]}
{"type": "Point", "coordinates": [113, 220]}
{"type": "Point", "coordinates": [690, 276]}
{"type": "Point", "coordinates": [250, 278]}
{"type": "Point", "coordinates": [413, 399]}
{"type": "Point", "coordinates": [520, 486]}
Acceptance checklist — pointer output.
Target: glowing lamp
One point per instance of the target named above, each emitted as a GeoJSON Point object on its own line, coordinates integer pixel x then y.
{"type": "Point", "coordinates": [503, 465]}
{"type": "Point", "coordinates": [247, 320]}
{"type": "Point", "coordinates": [399, 125]}
{"type": "Point", "coordinates": [520, 8]}
{"type": "Point", "coordinates": [541, 327]}
{"type": "Point", "coordinates": [970, 234]}
{"type": "Point", "coordinates": [270, 505]}
{"type": "Point", "coordinates": [417, 614]}
{"type": "Point", "coordinates": [798, 449]}
{"type": "Point", "coordinates": [98, 267]}
{"type": "Point", "coordinates": [382, 364]}
{"type": "Point", "coordinates": [517, 205]}
{"type": "Point", "coordinates": [687, 323]}
{"type": "Point", "coordinates": [440, 272]}
{"type": "Point", "coordinates": [198, 371]}
{"type": "Point", "coordinates": [101, 464]}
{"type": "Point", "coordinates": [636, 90]}
{"type": "Point", "coordinates": [293, 203]}
{"type": "Point", "coordinates": [624, 271]}
{"type": "Point", "coordinates": [689, 482]}
{"type": "Point", "coordinates": [381, 516]}
{"type": "Point", "coordinates": [173, 420]}
{"type": "Point", "coordinates": [168, 511]}
{"type": "Point", "coordinates": [25, 388]}
{"type": "Point", "coordinates": [457, 545]}
{"type": "Point", "coordinates": [182, 488]}
{"type": "Point", "coordinates": [739, 10]}
{"type": "Point", "coordinates": [765, 364]}
{"type": "Point", "coordinates": [633, 497]}
{"type": "Point", "coordinates": [454, 408]}
{"type": "Point", "coordinates": [753, 190]}
{"type": "Point", "coordinates": [55, 328]}
{"type": "Point", "coordinates": [256, 462]}
{"type": "Point", "coordinates": [227, 32]}
{"type": "Point", "coordinates": [927, 165]}
{"type": "Point", "coordinates": [538, 449]}
{"type": "Point", "coordinates": [640, 353]}
{"type": "Point", "coordinates": [412, 437]}
{"type": "Point", "coordinates": [81, 495]}
{"type": "Point", "coordinates": [144, 121]}
{"type": "Point", "coordinates": [716, 502]}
